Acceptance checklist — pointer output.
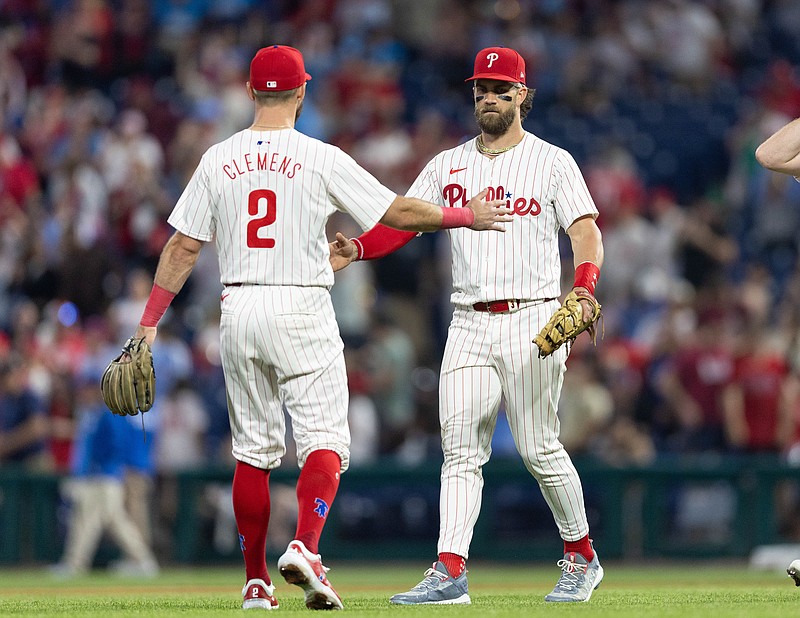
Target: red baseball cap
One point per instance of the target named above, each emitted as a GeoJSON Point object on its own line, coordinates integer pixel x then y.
{"type": "Point", "coordinates": [276, 68]}
{"type": "Point", "coordinates": [501, 63]}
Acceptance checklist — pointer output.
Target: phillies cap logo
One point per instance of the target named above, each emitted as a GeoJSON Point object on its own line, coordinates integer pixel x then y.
{"type": "Point", "coordinates": [501, 63]}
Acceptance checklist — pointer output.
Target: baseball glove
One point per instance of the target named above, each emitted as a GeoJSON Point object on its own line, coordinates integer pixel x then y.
{"type": "Point", "coordinates": [130, 386]}
{"type": "Point", "coordinates": [567, 323]}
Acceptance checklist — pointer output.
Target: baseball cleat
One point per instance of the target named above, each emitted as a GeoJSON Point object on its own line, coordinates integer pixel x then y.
{"type": "Point", "coordinates": [258, 594]}
{"type": "Point", "coordinates": [578, 580]}
{"type": "Point", "coordinates": [302, 568]}
{"type": "Point", "coordinates": [438, 588]}
{"type": "Point", "coordinates": [794, 572]}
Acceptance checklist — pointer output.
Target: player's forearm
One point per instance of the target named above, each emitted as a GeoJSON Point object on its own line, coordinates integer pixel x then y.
{"type": "Point", "coordinates": [414, 215]}
{"type": "Point", "coordinates": [177, 261]}
{"type": "Point", "coordinates": [781, 151]}
{"type": "Point", "coordinates": [587, 245]}
{"type": "Point", "coordinates": [587, 250]}
{"type": "Point", "coordinates": [174, 267]}
{"type": "Point", "coordinates": [411, 214]}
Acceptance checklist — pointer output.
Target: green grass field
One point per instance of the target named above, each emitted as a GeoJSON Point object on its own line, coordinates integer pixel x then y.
{"type": "Point", "coordinates": [502, 591]}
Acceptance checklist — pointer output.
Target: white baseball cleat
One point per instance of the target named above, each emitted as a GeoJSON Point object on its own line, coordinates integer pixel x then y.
{"type": "Point", "coordinates": [258, 594]}
{"type": "Point", "coordinates": [302, 568]}
{"type": "Point", "coordinates": [794, 572]}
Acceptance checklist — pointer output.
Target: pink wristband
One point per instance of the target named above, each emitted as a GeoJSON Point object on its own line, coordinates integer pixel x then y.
{"type": "Point", "coordinates": [156, 305]}
{"type": "Point", "coordinates": [457, 217]}
{"type": "Point", "coordinates": [586, 276]}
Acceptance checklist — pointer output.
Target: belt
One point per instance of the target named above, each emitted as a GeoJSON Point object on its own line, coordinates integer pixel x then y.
{"type": "Point", "coordinates": [506, 306]}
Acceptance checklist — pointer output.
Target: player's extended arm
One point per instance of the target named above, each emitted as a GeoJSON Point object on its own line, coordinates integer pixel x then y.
{"type": "Point", "coordinates": [174, 267]}
{"type": "Point", "coordinates": [371, 245]}
{"type": "Point", "coordinates": [406, 216]}
{"type": "Point", "coordinates": [587, 251]}
{"type": "Point", "coordinates": [780, 152]}
{"type": "Point", "coordinates": [415, 215]}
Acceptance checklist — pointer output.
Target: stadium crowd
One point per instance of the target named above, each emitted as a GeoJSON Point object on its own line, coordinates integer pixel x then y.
{"type": "Point", "coordinates": [107, 105]}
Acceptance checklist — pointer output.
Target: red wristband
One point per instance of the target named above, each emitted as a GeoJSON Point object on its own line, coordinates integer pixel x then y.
{"type": "Point", "coordinates": [457, 217]}
{"type": "Point", "coordinates": [156, 305]}
{"type": "Point", "coordinates": [586, 276]}
{"type": "Point", "coordinates": [359, 249]}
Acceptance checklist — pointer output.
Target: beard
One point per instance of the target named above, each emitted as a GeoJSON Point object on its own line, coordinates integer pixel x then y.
{"type": "Point", "coordinates": [298, 111]}
{"type": "Point", "coordinates": [495, 124]}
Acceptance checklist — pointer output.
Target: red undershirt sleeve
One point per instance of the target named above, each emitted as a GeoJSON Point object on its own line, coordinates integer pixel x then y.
{"type": "Point", "coordinates": [380, 241]}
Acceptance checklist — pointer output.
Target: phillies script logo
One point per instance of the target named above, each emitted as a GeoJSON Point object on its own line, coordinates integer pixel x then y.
{"type": "Point", "coordinates": [456, 194]}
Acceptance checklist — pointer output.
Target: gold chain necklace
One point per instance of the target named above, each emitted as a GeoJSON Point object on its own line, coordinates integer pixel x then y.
{"type": "Point", "coordinates": [484, 149]}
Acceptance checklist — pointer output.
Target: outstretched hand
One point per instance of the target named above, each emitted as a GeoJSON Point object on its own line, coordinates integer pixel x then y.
{"type": "Point", "coordinates": [343, 251]}
{"type": "Point", "coordinates": [489, 213]}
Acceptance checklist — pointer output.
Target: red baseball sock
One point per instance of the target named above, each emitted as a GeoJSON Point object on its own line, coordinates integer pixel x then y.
{"type": "Point", "coordinates": [251, 509]}
{"type": "Point", "coordinates": [455, 564]}
{"type": "Point", "coordinates": [316, 489]}
{"type": "Point", "coordinates": [581, 546]}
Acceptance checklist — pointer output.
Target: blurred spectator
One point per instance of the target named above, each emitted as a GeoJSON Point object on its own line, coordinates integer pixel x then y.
{"type": "Point", "coordinates": [362, 415]}
{"type": "Point", "coordinates": [19, 183]}
{"type": "Point", "coordinates": [585, 407]}
{"type": "Point", "coordinates": [126, 310]}
{"type": "Point", "coordinates": [140, 470]}
{"type": "Point", "coordinates": [776, 225]}
{"type": "Point", "coordinates": [23, 418]}
{"type": "Point", "coordinates": [701, 370]}
{"type": "Point", "coordinates": [95, 491]}
{"type": "Point", "coordinates": [13, 85]}
{"type": "Point", "coordinates": [624, 443]}
{"type": "Point", "coordinates": [614, 183]}
{"type": "Point", "coordinates": [180, 447]}
{"type": "Point", "coordinates": [60, 420]}
{"type": "Point", "coordinates": [706, 248]}
{"type": "Point", "coordinates": [353, 295]}
{"type": "Point", "coordinates": [389, 361]}
{"type": "Point", "coordinates": [758, 403]}
{"type": "Point", "coordinates": [184, 420]}
{"type": "Point", "coordinates": [83, 43]}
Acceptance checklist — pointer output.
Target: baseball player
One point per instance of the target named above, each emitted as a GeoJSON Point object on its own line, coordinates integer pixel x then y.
{"type": "Point", "coordinates": [780, 152]}
{"type": "Point", "coordinates": [505, 289]}
{"type": "Point", "coordinates": [263, 197]}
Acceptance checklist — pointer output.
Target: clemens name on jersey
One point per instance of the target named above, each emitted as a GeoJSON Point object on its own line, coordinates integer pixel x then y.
{"type": "Point", "coordinates": [261, 162]}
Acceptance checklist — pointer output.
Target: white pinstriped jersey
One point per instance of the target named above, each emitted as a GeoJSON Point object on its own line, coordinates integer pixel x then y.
{"type": "Point", "coordinates": [265, 197]}
{"type": "Point", "coordinates": [542, 183]}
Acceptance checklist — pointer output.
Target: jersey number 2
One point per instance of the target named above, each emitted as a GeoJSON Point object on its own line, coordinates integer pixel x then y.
{"type": "Point", "coordinates": [254, 241]}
